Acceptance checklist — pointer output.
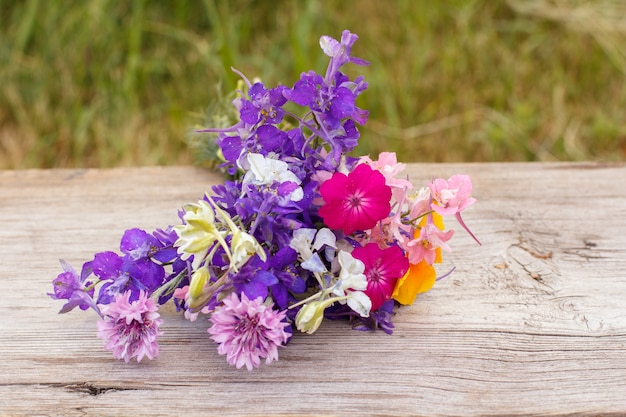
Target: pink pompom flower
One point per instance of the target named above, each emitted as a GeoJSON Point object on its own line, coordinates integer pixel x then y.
{"type": "Point", "coordinates": [247, 330]}
{"type": "Point", "coordinates": [356, 201]}
{"type": "Point", "coordinates": [130, 329]}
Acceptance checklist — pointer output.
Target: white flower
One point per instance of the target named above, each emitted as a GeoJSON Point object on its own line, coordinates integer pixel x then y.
{"type": "Point", "coordinates": [351, 284]}
{"type": "Point", "coordinates": [326, 239]}
{"type": "Point", "coordinates": [302, 241]}
{"type": "Point", "coordinates": [305, 241]}
{"type": "Point", "coordinates": [360, 302]}
{"type": "Point", "coordinates": [419, 203]}
{"type": "Point", "coordinates": [266, 171]}
{"type": "Point", "coordinates": [351, 275]}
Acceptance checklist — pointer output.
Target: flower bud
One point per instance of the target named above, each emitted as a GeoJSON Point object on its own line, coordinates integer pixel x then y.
{"type": "Point", "coordinates": [311, 315]}
{"type": "Point", "coordinates": [196, 294]}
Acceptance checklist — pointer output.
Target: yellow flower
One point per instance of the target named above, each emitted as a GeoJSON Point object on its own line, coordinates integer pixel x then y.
{"type": "Point", "coordinates": [199, 233]}
{"type": "Point", "coordinates": [418, 279]}
{"type": "Point", "coordinates": [244, 246]}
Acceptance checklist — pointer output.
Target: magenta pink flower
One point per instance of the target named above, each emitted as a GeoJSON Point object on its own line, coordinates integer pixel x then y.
{"type": "Point", "coordinates": [355, 201]}
{"type": "Point", "coordinates": [383, 267]}
{"type": "Point", "coordinates": [130, 329]}
{"type": "Point", "coordinates": [247, 330]}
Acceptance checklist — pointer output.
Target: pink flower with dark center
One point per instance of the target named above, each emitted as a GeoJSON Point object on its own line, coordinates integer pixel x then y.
{"type": "Point", "coordinates": [247, 330]}
{"type": "Point", "coordinates": [383, 267]}
{"type": "Point", "coordinates": [130, 329]}
{"type": "Point", "coordinates": [355, 201]}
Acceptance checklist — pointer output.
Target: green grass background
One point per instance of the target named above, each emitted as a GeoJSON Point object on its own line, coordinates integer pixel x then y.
{"type": "Point", "coordinates": [107, 83]}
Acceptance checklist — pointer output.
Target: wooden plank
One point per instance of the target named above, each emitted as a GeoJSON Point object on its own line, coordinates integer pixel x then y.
{"type": "Point", "coordinates": [531, 322]}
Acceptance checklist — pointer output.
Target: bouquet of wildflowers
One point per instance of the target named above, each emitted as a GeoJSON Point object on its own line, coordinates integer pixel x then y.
{"type": "Point", "coordinates": [300, 232]}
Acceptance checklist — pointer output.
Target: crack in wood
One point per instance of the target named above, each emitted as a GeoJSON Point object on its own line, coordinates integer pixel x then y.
{"type": "Point", "coordinates": [91, 388]}
{"type": "Point", "coordinates": [586, 252]}
{"type": "Point", "coordinates": [530, 262]}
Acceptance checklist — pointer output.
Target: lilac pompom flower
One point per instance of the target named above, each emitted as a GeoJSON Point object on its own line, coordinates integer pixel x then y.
{"type": "Point", "coordinates": [130, 329]}
{"type": "Point", "coordinates": [247, 330]}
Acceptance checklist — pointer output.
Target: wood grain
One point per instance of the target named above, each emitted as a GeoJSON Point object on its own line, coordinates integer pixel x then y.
{"type": "Point", "coordinates": [531, 322]}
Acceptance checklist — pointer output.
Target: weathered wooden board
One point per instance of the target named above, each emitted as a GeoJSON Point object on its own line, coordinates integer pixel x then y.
{"type": "Point", "coordinates": [531, 322]}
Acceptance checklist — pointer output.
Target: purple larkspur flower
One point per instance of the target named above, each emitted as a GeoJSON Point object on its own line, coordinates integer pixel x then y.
{"type": "Point", "coordinates": [130, 329]}
{"type": "Point", "coordinates": [308, 92]}
{"type": "Point", "coordinates": [253, 279]}
{"type": "Point", "coordinates": [231, 147]}
{"type": "Point", "coordinates": [247, 331]}
{"type": "Point", "coordinates": [282, 264]}
{"type": "Point", "coordinates": [340, 52]}
{"type": "Point", "coordinates": [379, 319]}
{"type": "Point", "coordinates": [268, 138]}
{"type": "Point", "coordinates": [263, 140]}
{"type": "Point", "coordinates": [165, 250]}
{"type": "Point", "coordinates": [68, 285]}
{"type": "Point", "coordinates": [264, 105]}
{"type": "Point", "coordinates": [138, 244]}
{"type": "Point", "coordinates": [332, 101]}
{"type": "Point", "coordinates": [122, 273]}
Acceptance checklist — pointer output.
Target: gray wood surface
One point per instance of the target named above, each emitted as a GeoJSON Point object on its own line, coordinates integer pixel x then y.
{"type": "Point", "coordinates": [531, 322]}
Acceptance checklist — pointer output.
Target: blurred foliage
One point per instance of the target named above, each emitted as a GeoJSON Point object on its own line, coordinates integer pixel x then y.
{"type": "Point", "coordinates": [107, 83]}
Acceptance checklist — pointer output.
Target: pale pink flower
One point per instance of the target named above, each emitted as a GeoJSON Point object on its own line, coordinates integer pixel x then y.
{"type": "Point", "coordinates": [419, 203]}
{"type": "Point", "coordinates": [247, 331]}
{"type": "Point", "coordinates": [424, 247]}
{"type": "Point", "coordinates": [451, 196]}
{"type": "Point", "coordinates": [389, 166]}
{"type": "Point", "coordinates": [130, 329]}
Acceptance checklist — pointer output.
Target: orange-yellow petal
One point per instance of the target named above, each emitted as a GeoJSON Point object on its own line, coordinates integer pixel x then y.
{"type": "Point", "coordinates": [437, 221]}
{"type": "Point", "coordinates": [418, 279]}
{"type": "Point", "coordinates": [438, 257]}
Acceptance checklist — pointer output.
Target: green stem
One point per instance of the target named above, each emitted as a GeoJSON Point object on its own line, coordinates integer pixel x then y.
{"type": "Point", "coordinates": [306, 300]}
{"type": "Point", "coordinates": [169, 285]}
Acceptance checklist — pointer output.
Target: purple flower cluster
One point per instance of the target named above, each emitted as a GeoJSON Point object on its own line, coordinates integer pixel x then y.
{"type": "Point", "coordinates": [325, 132]}
{"type": "Point", "coordinates": [140, 267]}
{"type": "Point", "coordinates": [269, 208]}
{"type": "Point", "coordinates": [300, 231]}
